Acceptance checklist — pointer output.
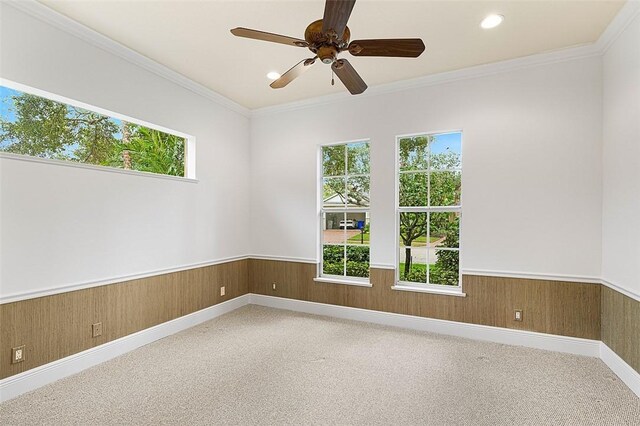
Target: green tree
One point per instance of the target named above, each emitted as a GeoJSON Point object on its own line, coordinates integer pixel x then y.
{"type": "Point", "coordinates": [94, 136]}
{"type": "Point", "coordinates": [441, 185]}
{"type": "Point", "coordinates": [41, 128]}
{"type": "Point", "coordinates": [351, 160]}
{"type": "Point", "coordinates": [49, 129]}
{"type": "Point", "coordinates": [413, 156]}
{"type": "Point", "coordinates": [149, 150]}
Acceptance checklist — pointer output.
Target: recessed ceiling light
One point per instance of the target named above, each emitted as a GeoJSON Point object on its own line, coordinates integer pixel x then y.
{"type": "Point", "coordinates": [491, 21]}
{"type": "Point", "coordinates": [273, 75]}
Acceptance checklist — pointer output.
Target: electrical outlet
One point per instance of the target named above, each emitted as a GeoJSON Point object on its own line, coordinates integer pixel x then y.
{"type": "Point", "coordinates": [96, 329]}
{"type": "Point", "coordinates": [273, 286]}
{"type": "Point", "coordinates": [517, 315]}
{"type": "Point", "coordinates": [222, 291]}
{"type": "Point", "coordinates": [17, 354]}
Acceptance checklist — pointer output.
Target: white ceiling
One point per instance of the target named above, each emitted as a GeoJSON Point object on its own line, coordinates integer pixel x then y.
{"type": "Point", "coordinates": [193, 38]}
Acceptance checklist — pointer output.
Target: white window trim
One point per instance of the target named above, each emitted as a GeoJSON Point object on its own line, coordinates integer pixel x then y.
{"type": "Point", "coordinates": [189, 149]}
{"type": "Point", "coordinates": [107, 169]}
{"type": "Point", "coordinates": [337, 279]}
{"type": "Point", "coordinates": [430, 288]}
{"type": "Point", "coordinates": [426, 287]}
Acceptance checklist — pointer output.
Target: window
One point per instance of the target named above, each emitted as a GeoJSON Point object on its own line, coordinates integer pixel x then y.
{"type": "Point", "coordinates": [344, 216]}
{"type": "Point", "coordinates": [39, 126]}
{"type": "Point", "coordinates": [428, 212]}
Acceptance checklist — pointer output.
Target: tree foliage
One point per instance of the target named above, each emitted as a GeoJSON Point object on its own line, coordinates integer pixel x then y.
{"type": "Point", "coordinates": [352, 161]}
{"type": "Point", "coordinates": [429, 179]}
{"type": "Point", "coordinates": [49, 129]}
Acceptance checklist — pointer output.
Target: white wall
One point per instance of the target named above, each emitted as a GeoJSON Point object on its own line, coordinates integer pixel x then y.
{"type": "Point", "coordinates": [531, 167]}
{"type": "Point", "coordinates": [532, 180]}
{"type": "Point", "coordinates": [621, 161]}
{"type": "Point", "coordinates": [63, 225]}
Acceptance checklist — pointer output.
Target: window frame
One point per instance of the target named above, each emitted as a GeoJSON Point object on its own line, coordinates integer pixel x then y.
{"type": "Point", "coordinates": [329, 278]}
{"type": "Point", "coordinates": [189, 148]}
{"type": "Point", "coordinates": [416, 286]}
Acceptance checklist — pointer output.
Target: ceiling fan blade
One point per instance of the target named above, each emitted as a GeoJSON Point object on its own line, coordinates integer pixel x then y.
{"type": "Point", "coordinates": [336, 15]}
{"type": "Point", "coordinates": [274, 38]}
{"type": "Point", "coordinates": [295, 72]}
{"type": "Point", "coordinates": [349, 76]}
{"type": "Point", "coordinates": [395, 47]}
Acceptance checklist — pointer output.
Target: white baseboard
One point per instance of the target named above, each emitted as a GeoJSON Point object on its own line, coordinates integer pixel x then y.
{"type": "Point", "coordinates": [624, 371]}
{"type": "Point", "coordinates": [14, 386]}
{"type": "Point", "coordinates": [551, 342]}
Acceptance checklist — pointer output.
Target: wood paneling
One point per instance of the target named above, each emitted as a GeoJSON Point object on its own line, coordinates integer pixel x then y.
{"type": "Point", "coordinates": [53, 327]}
{"type": "Point", "coordinates": [621, 325]}
{"type": "Point", "coordinates": [56, 326]}
{"type": "Point", "coordinates": [563, 308]}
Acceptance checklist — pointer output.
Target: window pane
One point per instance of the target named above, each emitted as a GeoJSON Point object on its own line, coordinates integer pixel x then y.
{"type": "Point", "coordinates": [413, 153]}
{"type": "Point", "coordinates": [444, 229]}
{"type": "Point", "coordinates": [358, 261]}
{"type": "Point", "coordinates": [444, 188]}
{"type": "Point", "coordinates": [333, 160]}
{"type": "Point", "coordinates": [415, 268]}
{"type": "Point", "coordinates": [358, 191]}
{"type": "Point", "coordinates": [413, 229]}
{"type": "Point", "coordinates": [361, 231]}
{"type": "Point", "coordinates": [413, 189]}
{"type": "Point", "coordinates": [445, 151]}
{"type": "Point", "coordinates": [333, 193]}
{"type": "Point", "coordinates": [358, 158]}
{"type": "Point", "coordinates": [333, 259]}
{"type": "Point", "coordinates": [444, 267]}
{"type": "Point", "coordinates": [334, 229]}
{"type": "Point", "coordinates": [44, 128]}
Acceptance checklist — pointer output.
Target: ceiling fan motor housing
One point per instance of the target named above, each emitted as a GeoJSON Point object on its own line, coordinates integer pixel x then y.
{"type": "Point", "coordinates": [325, 45]}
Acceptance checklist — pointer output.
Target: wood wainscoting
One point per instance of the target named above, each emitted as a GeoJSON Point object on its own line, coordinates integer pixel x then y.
{"type": "Point", "coordinates": [621, 325]}
{"type": "Point", "coordinates": [56, 326]}
{"type": "Point", "coordinates": [554, 307]}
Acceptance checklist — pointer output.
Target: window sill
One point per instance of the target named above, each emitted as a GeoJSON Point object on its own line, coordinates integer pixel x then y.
{"type": "Point", "coordinates": [65, 163]}
{"type": "Point", "coordinates": [344, 281]}
{"type": "Point", "coordinates": [443, 292]}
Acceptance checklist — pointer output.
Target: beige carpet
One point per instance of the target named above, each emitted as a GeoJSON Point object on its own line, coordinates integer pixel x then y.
{"type": "Point", "coordinates": [264, 366]}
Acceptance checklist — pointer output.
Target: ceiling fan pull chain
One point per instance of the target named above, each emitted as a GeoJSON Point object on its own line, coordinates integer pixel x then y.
{"type": "Point", "coordinates": [332, 81]}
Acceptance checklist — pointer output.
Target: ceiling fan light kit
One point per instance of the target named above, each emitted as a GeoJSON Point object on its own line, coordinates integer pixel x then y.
{"type": "Point", "coordinates": [327, 38]}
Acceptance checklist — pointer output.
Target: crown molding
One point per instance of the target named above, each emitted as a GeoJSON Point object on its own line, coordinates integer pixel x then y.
{"type": "Point", "coordinates": [616, 27]}
{"type": "Point", "coordinates": [625, 16]}
{"type": "Point", "coordinates": [629, 11]}
{"type": "Point", "coordinates": [568, 54]}
{"type": "Point", "coordinates": [43, 13]}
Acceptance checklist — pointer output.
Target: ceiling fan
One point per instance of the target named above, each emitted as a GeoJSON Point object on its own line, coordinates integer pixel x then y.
{"type": "Point", "coordinates": [329, 36]}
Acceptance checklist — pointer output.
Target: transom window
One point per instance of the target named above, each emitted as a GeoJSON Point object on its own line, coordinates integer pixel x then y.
{"type": "Point", "coordinates": [344, 216]}
{"type": "Point", "coordinates": [429, 207]}
{"type": "Point", "coordinates": [49, 127]}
